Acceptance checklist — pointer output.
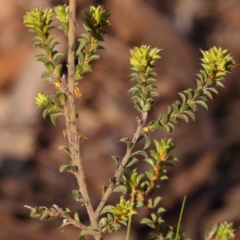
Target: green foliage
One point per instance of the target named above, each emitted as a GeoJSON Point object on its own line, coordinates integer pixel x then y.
{"type": "Point", "coordinates": [137, 189]}
{"type": "Point", "coordinates": [46, 214]}
{"type": "Point", "coordinates": [143, 186]}
{"type": "Point", "coordinates": [142, 61]}
{"type": "Point", "coordinates": [94, 22]}
{"type": "Point", "coordinates": [223, 231]}
{"type": "Point", "coordinates": [39, 22]}
{"type": "Point", "coordinates": [216, 63]}
{"type": "Point", "coordinates": [116, 216]}
{"type": "Point", "coordinates": [96, 19]}
{"type": "Point", "coordinates": [53, 108]}
{"type": "Point", "coordinates": [62, 12]}
{"type": "Point", "coordinates": [172, 233]}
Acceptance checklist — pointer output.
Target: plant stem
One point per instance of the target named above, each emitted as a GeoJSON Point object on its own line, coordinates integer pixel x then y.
{"type": "Point", "coordinates": [120, 169]}
{"type": "Point", "coordinates": [71, 119]}
{"type": "Point", "coordinates": [129, 227]}
{"type": "Point", "coordinates": [180, 218]}
{"type": "Point", "coordinates": [130, 217]}
{"type": "Point", "coordinates": [62, 214]}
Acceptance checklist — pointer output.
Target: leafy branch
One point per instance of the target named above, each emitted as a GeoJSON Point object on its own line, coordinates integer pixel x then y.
{"type": "Point", "coordinates": [222, 231]}
{"type": "Point", "coordinates": [142, 61]}
{"type": "Point", "coordinates": [216, 64]}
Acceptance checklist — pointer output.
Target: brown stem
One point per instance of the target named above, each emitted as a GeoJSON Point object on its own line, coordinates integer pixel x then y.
{"type": "Point", "coordinates": [73, 222]}
{"type": "Point", "coordinates": [71, 119]}
{"type": "Point", "coordinates": [120, 169]}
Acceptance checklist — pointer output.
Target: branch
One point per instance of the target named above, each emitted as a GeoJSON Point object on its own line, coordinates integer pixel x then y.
{"type": "Point", "coordinates": [46, 214]}
{"type": "Point", "coordinates": [71, 120]}
{"type": "Point", "coordinates": [142, 62]}
{"type": "Point", "coordinates": [62, 214]}
{"type": "Point", "coordinates": [216, 64]}
{"type": "Point", "coordinates": [121, 167]}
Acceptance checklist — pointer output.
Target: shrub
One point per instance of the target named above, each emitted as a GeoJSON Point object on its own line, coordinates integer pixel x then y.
{"type": "Point", "coordinates": [137, 189]}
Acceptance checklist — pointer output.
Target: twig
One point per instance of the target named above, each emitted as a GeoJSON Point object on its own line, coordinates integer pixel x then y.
{"type": "Point", "coordinates": [120, 169]}
{"type": "Point", "coordinates": [69, 219]}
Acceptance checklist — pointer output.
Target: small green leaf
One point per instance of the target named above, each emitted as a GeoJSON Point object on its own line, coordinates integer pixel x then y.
{"type": "Point", "coordinates": [140, 152]}
{"type": "Point", "coordinates": [154, 94]}
{"type": "Point", "coordinates": [65, 149]}
{"type": "Point", "coordinates": [213, 90]}
{"type": "Point", "coordinates": [116, 159]}
{"type": "Point", "coordinates": [82, 44]}
{"type": "Point", "coordinates": [58, 70]}
{"type": "Point", "coordinates": [76, 194]}
{"type": "Point", "coordinates": [46, 74]}
{"type": "Point", "coordinates": [190, 114]}
{"type": "Point", "coordinates": [83, 233]}
{"type": "Point", "coordinates": [82, 137]}
{"type": "Point", "coordinates": [54, 44]}
{"type": "Point", "coordinates": [125, 139]}
{"type": "Point", "coordinates": [193, 106]}
{"type": "Point", "coordinates": [99, 47]}
{"type": "Point", "coordinates": [104, 188]}
{"type": "Point", "coordinates": [137, 108]}
{"type": "Point", "coordinates": [49, 66]}
{"type": "Point", "coordinates": [208, 93]}
{"type": "Point", "coordinates": [46, 216]}
{"type": "Point", "coordinates": [131, 161]}
{"type": "Point", "coordinates": [218, 83]}
{"type": "Point", "coordinates": [67, 210]}
{"type": "Point", "coordinates": [156, 201]}
{"type": "Point", "coordinates": [134, 90]}
{"type": "Point", "coordinates": [49, 39]}
{"type": "Point", "coordinates": [53, 108]}
{"type": "Point", "coordinates": [184, 117]}
{"type": "Point", "coordinates": [45, 112]}
{"type": "Point", "coordinates": [48, 50]}
{"type": "Point", "coordinates": [62, 98]}
{"type": "Point", "coordinates": [120, 188]}
{"type": "Point", "coordinates": [76, 217]}
{"type": "Point", "coordinates": [54, 116]}
{"type": "Point", "coordinates": [93, 57]}
{"type": "Point", "coordinates": [57, 56]}
{"type": "Point", "coordinates": [147, 107]}
{"type": "Point", "coordinates": [167, 128]}
{"type": "Point", "coordinates": [43, 59]}
{"type": "Point", "coordinates": [175, 108]}
{"type": "Point", "coordinates": [86, 68]}
{"type": "Point", "coordinates": [148, 222]}
{"type": "Point", "coordinates": [68, 167]}
{"type": "Point", "coordinates": [106, 209]}
{"type": "Point", "coordinates": [65, 223]}
{"type": "Point", "coordinates": [147, 141]}
{"type": "Point", "coordinates": [182, 95]}
{"type": "Point", "coordinates": [150, 161]}
{"type": "Point", "coordinates": [164, 178]}
{"type": "Point", "coordinates": [202, 103]}
{"type": "Point", "coordinates": [81, 200]}
{"type": "Point", "coordinates": [161, 210]}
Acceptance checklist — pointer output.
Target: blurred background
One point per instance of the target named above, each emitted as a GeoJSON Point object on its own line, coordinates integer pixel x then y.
{"type": "Point", "coordinates": [208, 150]}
